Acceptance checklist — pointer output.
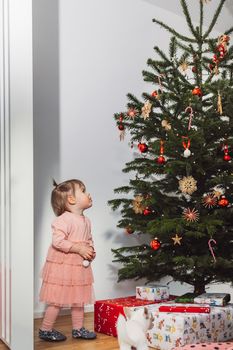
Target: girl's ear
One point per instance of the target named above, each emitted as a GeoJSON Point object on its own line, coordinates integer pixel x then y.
{"type": "Point", "coordinates": [71, 200]}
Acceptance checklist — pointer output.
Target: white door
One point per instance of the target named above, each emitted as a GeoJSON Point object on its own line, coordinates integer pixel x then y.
{"type": "Point", "coordinates": [16, 175]}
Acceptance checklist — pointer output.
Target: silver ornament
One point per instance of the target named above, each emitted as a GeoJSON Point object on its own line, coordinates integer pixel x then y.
{"type": "Point", "coordinates": [187, 153]}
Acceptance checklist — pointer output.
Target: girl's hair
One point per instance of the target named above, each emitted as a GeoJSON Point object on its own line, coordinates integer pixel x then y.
{"type": "Point", "coordinates": [61, 192]}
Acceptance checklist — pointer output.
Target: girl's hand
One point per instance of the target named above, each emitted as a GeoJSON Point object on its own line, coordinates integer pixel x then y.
{"type": "Point", "coordinates": [84, 250]}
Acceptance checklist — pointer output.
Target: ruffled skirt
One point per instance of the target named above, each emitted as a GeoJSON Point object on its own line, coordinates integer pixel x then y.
{"type": "Point", "coordinates": [66, 285]}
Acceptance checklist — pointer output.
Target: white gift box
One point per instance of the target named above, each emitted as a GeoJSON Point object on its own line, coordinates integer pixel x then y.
{"type": "Point", "coordinates": [213, 299]}
{"type": "Point", "coordinates": [153, 292]}
{"type": "Point", "coordinates": [177, 329]}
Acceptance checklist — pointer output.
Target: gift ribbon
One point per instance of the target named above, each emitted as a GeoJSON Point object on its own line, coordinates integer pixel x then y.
{"type": "Point", "coordinates": [210, 247]}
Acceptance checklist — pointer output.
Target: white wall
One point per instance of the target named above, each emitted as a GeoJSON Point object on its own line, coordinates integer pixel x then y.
{"type": "Point", "coordinates": [104, 46]}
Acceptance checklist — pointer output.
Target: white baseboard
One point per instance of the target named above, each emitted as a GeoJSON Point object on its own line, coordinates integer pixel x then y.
{"type": "Point", "coordinates": [64, 311]}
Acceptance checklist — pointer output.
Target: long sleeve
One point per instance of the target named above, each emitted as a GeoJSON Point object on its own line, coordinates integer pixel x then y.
{"type": "Point", "coordinates": [60, 236]}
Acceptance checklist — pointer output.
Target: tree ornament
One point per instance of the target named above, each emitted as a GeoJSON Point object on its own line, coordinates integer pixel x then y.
{"type": "Point", "coordinates": [223, 202]}
{"type": "Point", "coordinates": [220, 111]}
{"type": "Point", "coordinates": [177, 239]}
{"type": "Point", "coordinates": [155, 94]}
{"type": "Point", "coordinates": [155, 244]}
{"type": "Point", "coordinates": [197, 91]}
{"type": "Point", "coordinates": [190, 111]}
{"type": "Point", "coordinates": [223, 41]}
{"type": "Point", "coordinates": [166, 125]}
{"type": "Point", "coordinates": [218, 192]}
{"type": "Point", "coordinates": [121, 127]}
{"type": "Point", "coordinates": [209, 200]}
{"type": "Point", "coordinates": [184, 66]}
{"type": "Point", "coordinates": [188, 185]}
{"type": "Point", "coordinates": [194, 69]}
{"type": "Point", "coordinates": [129, 230]}
{"type": "Point", "coordinates": [146, 109]}
{"type": "Point", "coordinates": [132, 113]}
{"type": "Point", "coordinates": [143, 148]}
{"type": "Point", "coordinates": [210, 247]}
{"type": "Point", "coordinates": [186, 145]}
{"type": "Point", "coordinates": [191, 215]}
{"type": "Point", "coordinates": [226, 156]}
{"type": "Point", "coordinates": [147, 211]}
{"type": "Point", "coordinates": [161, 159]}
{"type": "Point", "coordinates": [138, 207]}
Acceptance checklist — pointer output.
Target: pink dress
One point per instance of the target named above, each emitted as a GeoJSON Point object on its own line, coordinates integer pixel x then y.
{"type": "Point", "coordinates": [66, 282]}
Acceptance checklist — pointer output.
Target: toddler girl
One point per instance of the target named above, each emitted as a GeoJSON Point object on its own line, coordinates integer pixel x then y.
{"type": "Point", "coordinates": [67, 274]}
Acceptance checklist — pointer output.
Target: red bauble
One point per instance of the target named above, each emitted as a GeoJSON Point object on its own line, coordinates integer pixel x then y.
{"type": "Point", "coordinates": [129, 230]}
{"type": "Point", "coordinates": [223, 201]}
{"type": "Point", "coordinates": [147, 211]}
{"type": "Point", "coordinates": [161, 159]}
{"type": "Point", "coordinates": [154, 94]}
{"type": "Point", "coordinates": [194, 69]}
{"type": "Point", "coordinates": [197, 91]}
{"type": "Point", "coordinates": [226, 157]}
{"type": "Point", "coordinates": [155, 244]}
{"type": "Point", "coordinates": [143, 147]}
{"type": "Point", "coordinates": [121, 127]}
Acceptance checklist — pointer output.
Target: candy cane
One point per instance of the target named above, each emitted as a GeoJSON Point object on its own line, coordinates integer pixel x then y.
{"type": "Point", "coordinates": [210, 247]}
{"type": "Point", "coordinates": [190, 111]}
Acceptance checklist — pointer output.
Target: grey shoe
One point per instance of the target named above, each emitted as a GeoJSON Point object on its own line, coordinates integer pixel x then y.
{"type": "Point", "coordinates": [83, 333]}
{"type": "Point", "coordinates": [52, 335]}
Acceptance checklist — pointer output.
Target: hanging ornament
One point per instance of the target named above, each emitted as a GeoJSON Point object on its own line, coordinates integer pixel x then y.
{"type": "Point", "coordinates": [219, 104]}
{"type": "Point", "coordinates": [143, 148]}
{"type": "Point", "coordinates": [209, 200]}
{"type": "Point", "coordinates": [223, 41]}
{"type": "Point", "coordinates": [223, 202]}
{"type": "Point", "coordinates": [132, 113]}
{"type": "Point", "coordinates": [155, 244]}
{"type": "Point", "coordinates": [121, 127]}
{"type": "Point", "coordinates": [166, 125]}
{"type": "Point", "coordinates": [177, 239]}
{"type": "Point", "coordinates": [147, 211]}
{"type": "Point", "coordinates": [186, 145]}
{"type": "Point", "coordinates": [218, 192]}
{"type": "Point", "coordinates": [184, 66]}
{"type": "Point", "coordinates": [161, 159]}
{"type": "Point", "coordinates": [146, 109]}
{"type": "Point", "coordinates": [197, 91]}
{"type": "Point", "coordinates": [155, 94]}
{"type": "Point", "coordinates": [226, 156]}
{"type": "Point", "coordinates": [210, 247]}
{"type": "Point", "coordinates": [190, 111]}
{"type": "Point", "coordinates": [191, 215]}
{"type": "Point", "coordinates": [129, 230]}
{"type": "Point", "coordinates": [138, 207]}
{"type": "Point", "coordinates": [194, 69]}
{"type": "Point", "coordinates": [187, 185]}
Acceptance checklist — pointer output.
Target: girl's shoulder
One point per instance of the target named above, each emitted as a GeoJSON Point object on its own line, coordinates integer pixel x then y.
{"type": "Point", "coordinates": [64, 218]}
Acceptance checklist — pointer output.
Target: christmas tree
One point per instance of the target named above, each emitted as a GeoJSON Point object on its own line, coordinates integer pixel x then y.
{"type": "Point", "coordinates": [180, 193]}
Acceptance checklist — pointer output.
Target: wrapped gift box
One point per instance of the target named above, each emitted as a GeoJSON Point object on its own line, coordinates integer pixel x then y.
{"type": "Point", "coordinates": [172, 330]}
{"type": "Point", "coordinates": [213, 299]}
{"type": "Point", "coordinates": [106, 312]}
{"type": "Point", "coordinates": [204, 308]}
{"type": "Point", "coordinates": [155, 292]}
{"type": "Point", "coordinates": [186, 298]}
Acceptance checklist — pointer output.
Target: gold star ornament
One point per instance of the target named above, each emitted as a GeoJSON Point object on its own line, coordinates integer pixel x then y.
{"type": "Point", "coordinates": [176, 239]}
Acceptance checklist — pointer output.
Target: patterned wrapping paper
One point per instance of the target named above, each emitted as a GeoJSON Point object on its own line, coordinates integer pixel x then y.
{"type": "Point", "coordinates": [106, 312]}
{"type": "Point", "coordinates": [213, 299]}
{"type": "Point", "coordinates": [155, 292]}
{"type": "Point", "coordinates": [177, 329]}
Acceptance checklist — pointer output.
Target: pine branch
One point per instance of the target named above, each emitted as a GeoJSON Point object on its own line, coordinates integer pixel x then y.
{"type": "Point", "coordinates": [229, 31]}
{"type": "Point", "coordinates": [201, 17]}
{"type": "Point", "coordinates": [214, 20]}
{"type": "Point", "coordinates": [175, 33]}
{"type": "Point", "coordinates": [188, 19]}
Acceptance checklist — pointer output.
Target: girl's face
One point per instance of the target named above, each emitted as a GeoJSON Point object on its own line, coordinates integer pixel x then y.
{"type": "Point", "coordinates": [83, 199]}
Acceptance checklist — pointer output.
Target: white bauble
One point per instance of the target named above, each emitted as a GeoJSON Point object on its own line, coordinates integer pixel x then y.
{"type": "Point", "coordinates": [187, 153]}
{"type": "Point", "coordinates": [86, 263]}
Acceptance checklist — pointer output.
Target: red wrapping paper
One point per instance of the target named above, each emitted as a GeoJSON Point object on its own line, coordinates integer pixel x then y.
{"type": "Point", "coordinates": [106, 312]}
{"type": "Point", "coordinates": [204, 309]}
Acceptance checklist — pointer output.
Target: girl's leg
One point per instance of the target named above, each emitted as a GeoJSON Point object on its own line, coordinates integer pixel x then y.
{"type": "Point", "coordinates": [50, 317]}
{"type": "Point", "coordinates": [77, 314]}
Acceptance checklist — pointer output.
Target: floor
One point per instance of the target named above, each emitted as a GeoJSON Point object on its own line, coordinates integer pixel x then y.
{"type": "Point", "coordinates": [63, 324]}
